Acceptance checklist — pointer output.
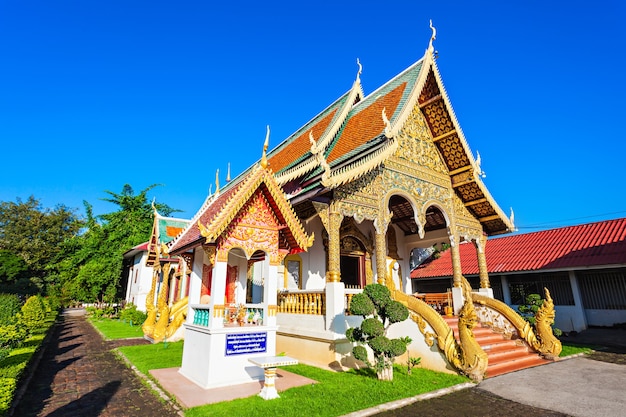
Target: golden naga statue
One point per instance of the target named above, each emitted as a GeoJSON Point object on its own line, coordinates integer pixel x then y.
{"type": "Point", "coordinates": [148, 325]}
{"type": "Point", "coordinates": [466, 355]}
{"type": "Point", "coordinates": [162, 321]}
{"type": "Point", "coordinates": [471, 359]}
{"type": "Point", "coordinates": [546, 343]}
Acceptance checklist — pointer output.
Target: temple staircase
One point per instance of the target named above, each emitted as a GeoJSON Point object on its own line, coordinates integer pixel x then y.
{"type": "Point", "coordinates": [505, 355]}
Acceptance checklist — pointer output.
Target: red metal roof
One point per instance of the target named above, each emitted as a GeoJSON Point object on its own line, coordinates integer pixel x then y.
{"type": "Point", "coordinates": [586, 245]}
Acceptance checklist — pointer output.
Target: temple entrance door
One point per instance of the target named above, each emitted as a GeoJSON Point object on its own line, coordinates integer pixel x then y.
{"type": "Point", "coordinates": [352, 263]}
{"type": "Point", "coordinates": [352, 268]}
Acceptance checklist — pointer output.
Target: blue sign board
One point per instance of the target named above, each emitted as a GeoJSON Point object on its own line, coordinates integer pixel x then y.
{"type": "Point", "coordinates": [240, 343]}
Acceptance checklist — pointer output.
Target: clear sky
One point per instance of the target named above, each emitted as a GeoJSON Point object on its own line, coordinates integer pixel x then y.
{"type": "Point", "coordinates": [96, 94]}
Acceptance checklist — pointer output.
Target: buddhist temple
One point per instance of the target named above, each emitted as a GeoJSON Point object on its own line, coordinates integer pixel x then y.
{"type": "Point", "coordinates": [275, 256]}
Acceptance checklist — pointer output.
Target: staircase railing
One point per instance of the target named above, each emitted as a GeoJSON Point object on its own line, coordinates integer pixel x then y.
{"type": "Point", "coordinates": [545, 343]}
{"type": "Point", "coordinates": [467, 356]}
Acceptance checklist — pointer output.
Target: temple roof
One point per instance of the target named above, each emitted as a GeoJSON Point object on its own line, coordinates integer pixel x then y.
{"type": "Point", "coordinates": [357, 133]}
{"type": "Point", "coordinates": [218, 212]}
{"type": "Point", "coordinates": [583, 246]}
{"type": "Point", "coordinates": [164, 230]}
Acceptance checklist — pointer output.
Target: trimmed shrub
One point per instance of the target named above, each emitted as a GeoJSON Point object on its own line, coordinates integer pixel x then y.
{"type": "Point", "coordinates": [130, 313]}
{"type": "Point", "coordinates": [7, 387]}
{"type": "Point", "coordinates": [10, 305]}
{"type": "Point", "coordinates": [33, 314]}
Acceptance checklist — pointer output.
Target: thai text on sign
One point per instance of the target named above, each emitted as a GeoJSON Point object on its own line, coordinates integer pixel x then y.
{"type": "Point", "coordinates": [241, 343]}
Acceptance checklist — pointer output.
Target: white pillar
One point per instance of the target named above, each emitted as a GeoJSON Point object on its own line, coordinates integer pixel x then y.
{"type": "Point", "coordinates": [270, 298]}
{"type": "Point", "coordinates": [218, 289]}
{"type": "Point", "coordinates": [335, 306]}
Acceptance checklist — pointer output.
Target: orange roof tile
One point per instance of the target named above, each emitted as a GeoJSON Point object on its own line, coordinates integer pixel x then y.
{"type": "Point", "coordinates": [367, 123]}
{"type": "Point", "coordinates": [299, 146]}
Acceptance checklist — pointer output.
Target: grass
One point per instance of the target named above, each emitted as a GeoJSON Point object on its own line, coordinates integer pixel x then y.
{"type": "Point", "coordinates": [156, 356]}
{"type": "Point", "coordinates": [117, 329]}
{"type": "Point", "coordinates": [574, 349]}
{"type": "Point", "coordinates": [354, 389]}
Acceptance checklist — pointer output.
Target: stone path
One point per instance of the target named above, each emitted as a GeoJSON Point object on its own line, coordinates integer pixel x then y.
{"type": "Point", "coordinates": [79, 376]}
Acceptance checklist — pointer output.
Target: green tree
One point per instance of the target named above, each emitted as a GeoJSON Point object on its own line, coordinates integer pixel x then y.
{"type": "Point", "coordinates": [34, 235]}
{"type": "Point", "coordinates": [94, 270]}
{"type": "Point", "coordinates": [379, 311]}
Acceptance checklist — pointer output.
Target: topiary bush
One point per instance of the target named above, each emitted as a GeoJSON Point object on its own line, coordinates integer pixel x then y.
{"type": "Point", "coordinates": [379, 311]}
{"type": "Point", "coordinates": [32, 314]}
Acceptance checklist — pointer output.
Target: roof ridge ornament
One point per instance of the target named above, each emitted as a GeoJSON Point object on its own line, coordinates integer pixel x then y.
{"type": "Point", "coordinates": [360, 71]}
{"type": "Point", "coordinates": [431, 49]}
{"type": "Point", "coordinates": [387, 123]}
{"type": "Point", "coordinates": [479, 170]}
{"type": "Point", "coordinates": [217, 181]}
{"type": "Point", "coordinates": [228, 173]}
{"type": "Point", "coordinates": [264, 163]}
{"type": "Point", "coordinates": [314, 149]}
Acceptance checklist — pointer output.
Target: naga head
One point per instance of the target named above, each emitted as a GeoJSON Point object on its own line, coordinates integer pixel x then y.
{"type": "Point", "coordinates": [546, 313]}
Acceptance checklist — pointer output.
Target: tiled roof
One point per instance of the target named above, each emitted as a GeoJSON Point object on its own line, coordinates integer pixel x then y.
{"type": "Point", "coordinates": [205, 216]}
{"type": "Point", "coordinates": [299, 146]}
{"type": "Point", "coordinates": [365, 121]}
{"type": "Point", "coordinates": [586, 245]}
{"type": "Point", "coordinates": [365, 124]}
{"type": "Point", "coordinates": [169, 228]}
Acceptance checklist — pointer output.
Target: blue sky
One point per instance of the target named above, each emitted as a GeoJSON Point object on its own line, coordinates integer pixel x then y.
{"type": "Point", "coordinates": [97, 94]}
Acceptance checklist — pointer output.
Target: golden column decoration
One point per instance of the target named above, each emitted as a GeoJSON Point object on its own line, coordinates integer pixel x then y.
{"type": "Point", "coordinates": [334, 244]}
{"type": "Point", "coordinates": [483, 273]}
{"type": "Point", "coordinates": [380, 224]}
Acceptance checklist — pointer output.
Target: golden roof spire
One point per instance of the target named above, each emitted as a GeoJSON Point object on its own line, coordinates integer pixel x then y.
{"type": "Point", "coordinates": [217, 181]}
{"type": "Point", "coordinates": [228, 173]}
{"type": "Point", "coordinates": [264, 163]}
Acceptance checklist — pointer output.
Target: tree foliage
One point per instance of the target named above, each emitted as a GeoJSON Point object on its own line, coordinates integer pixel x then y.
{"type": "Point", "coordinates": [379, 311]}
{"type": "Point", "coordinates": [93, 271]}
{"type": "Point", "coordinates": [31, 239]}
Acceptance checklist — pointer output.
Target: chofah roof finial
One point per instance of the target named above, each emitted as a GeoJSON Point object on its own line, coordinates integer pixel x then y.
{"type": "Point", "coordinates": [228, 173]}
{"type": "Point", "coordinates": [217, 181]}
{"type": "Point", "coordinates": [264, 163]}
{"type": "Point", "coordinates": [431, 48]}
{"type": "Point", "coordinates": [358, 74]}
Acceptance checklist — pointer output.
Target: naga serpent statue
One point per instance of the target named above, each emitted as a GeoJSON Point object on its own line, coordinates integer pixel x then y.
{"type": "Point", "coordinates": [546, 343]}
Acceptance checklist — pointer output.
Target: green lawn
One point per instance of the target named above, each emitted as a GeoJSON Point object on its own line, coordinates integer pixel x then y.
{"type": "Point", "coordinates": [354, 389]}
{"type": "Point", "coordinates": [117, 329]}
{"type": "Point", "coordinates": [335, 394]}
{"type": "Point", "coordinates": [156, 356]}
{"type": "Point", "coordinates": [573, 349]}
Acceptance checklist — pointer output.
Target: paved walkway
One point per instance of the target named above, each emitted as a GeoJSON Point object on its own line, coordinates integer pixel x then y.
{"type": "Point", "coordinates": [584, 386]}
{"type": "Point", "coordinates": [79, 376]}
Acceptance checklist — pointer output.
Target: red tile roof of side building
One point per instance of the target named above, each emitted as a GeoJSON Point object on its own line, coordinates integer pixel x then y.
{"type": "Point", "coordinates": [587, 245]}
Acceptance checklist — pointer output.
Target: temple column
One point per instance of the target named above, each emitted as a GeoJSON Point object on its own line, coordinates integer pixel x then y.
{"type": "Point", "coordinates": [333, 274]}
{"type": "Point", "coordinates": [218, 289]}
{"type": "Point", "coordinates": [457, 274]}
{"type": "Point", "coordinates": [483, 272]}
{"type": "Point", "coordinates": [380, 224]}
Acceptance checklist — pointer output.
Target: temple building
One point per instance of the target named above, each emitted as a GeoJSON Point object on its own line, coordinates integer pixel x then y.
{"type": "Point", "coordinates": [275, 256]}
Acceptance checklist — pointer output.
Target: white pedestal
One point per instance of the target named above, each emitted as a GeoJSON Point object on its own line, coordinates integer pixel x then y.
{"type": "Point", "coordinates": [269, 364]}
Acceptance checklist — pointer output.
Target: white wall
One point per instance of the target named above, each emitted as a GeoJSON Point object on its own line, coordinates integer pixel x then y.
{"type": "Point", "coordinates": [314, 260]}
